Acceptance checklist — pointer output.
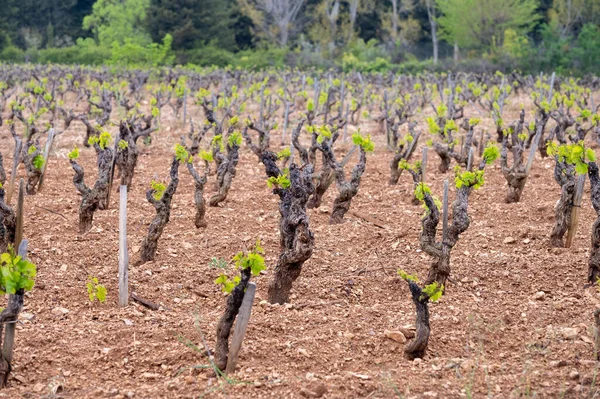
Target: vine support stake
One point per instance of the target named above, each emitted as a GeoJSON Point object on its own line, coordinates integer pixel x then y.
{"type": "Point", "coordinates": [184, 105]}
{"type": "Point", "coordinates": [123, 254]}
{"type": "Point", "coordinates": [241, 324]}
{"type": "Point", "coordinates": [19, 215]}
{"type": "Point", "coordinates": [480, 146]}
{"type": "Point", "coordinates": [13, 174]}
{"type": "Point", "coordinates": [551, 87]}
{"type": "Point", "coordinates": [533, 149]}
{"type": "Point", "coordinates": [470, 160]}
{"type": "Point", "coordinates": [285, 121]}
{"type": "Point", "coordinates": [346, 124]}
{"type": "Point", "coordinates": [423, 163]}
{"type": "Point", "coordinates": [46, 156]}
{"type": "Point", "coordinates": [445, 214]}
{"type": "Point", "coordinates": [575, 212]}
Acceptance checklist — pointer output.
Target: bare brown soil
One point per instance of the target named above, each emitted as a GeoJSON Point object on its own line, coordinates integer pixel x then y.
{"type": "Point", "coordinates": [490, 336]}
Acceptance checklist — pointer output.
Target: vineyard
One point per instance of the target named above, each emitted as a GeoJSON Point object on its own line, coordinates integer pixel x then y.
{"type": "Point", "coordinates": [382, 235]}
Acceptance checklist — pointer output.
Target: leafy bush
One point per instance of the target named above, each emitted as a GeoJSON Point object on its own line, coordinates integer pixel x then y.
{"type": "Point", "coordinates": [133, 54]}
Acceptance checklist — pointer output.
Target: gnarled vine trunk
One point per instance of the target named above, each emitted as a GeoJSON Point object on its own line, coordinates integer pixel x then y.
{"type": "Point", "coordinates": [296, 241]}
{"type": "Point", "coordinates": [199, 182]}
{"type": "Point", "coordinates": [515, 176]}
{"type": "Point", "coordinates": [594, 261]}
{"type": "Point", "coordinates": [564, 175]}
{"type": "Point", "coordinates": [105, 165]}
{"type": "Point", "coordinates": [8, 223]}
{"type": "Point", "coordinates": [163, 212]}
{"type": "Point", "coordinates": [417, 347]}
{"type": "Point", "coordinates": [444, 154]}
{"type": "Point", "coordinates": [347, 189]}
{"type": "Point", "coordinates": [127, 157]}
{"type": "Point", "coordinates": [90, 198]}
{"type": "Point", "coordinates": [225, 173]}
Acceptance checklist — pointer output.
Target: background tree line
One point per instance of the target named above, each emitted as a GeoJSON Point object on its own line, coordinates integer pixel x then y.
{"type": "Point", "coordinates": [370, 35]}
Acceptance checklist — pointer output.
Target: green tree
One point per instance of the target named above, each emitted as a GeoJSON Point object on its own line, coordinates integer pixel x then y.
{"type": "Point", "coordinates": [30, 22]}
{"type": "Point", "coordinates": [482, 23]}
{"type": "Point", "coordinates": [587, 50]}
{"type": "Point", "coordinates": [118, 21]}
{"type": "Point", "coordinates": [192, 23]}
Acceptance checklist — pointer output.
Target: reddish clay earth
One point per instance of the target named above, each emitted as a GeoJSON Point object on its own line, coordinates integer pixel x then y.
{"type": "Point", "coordinates": [493, 334]}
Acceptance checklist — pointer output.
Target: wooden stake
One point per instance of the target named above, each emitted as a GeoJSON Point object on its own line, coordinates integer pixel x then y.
{"type": "Point", "coordinates": [423, 163]}
{"type": "Point", "coordinates": [445, 215]}
{"type": "Point", "coordinates": [285, 121]}
{"type": "Point", "coordinates": [551, 87]}
{"type": "Point", "coordinates": [533, 149]}
{"type": "Point", "coordinates": [597, 333]}
{"type": "Point", "coordinates": [342, 95]}
{"type": "Point", "coordinates": [184, 105]}
{"type": "Point", "coordinates": [346, 124]}
{"type": "Point", "coordinates": [575, 211]}
{"type": "Point", "coordinates": [19, 215]}
{"type": "Point", "coordinates": [46, 156]}
{"type": "Point", "coordinates": [123, 253]}
{"type": "Point", "coordinates": [480, 146]}
{"type": "Point", "coordinates": [470, 160]}
{"type": "Point", "coordinates": [241, 324]}
{"type": "Point", "coordinates": [13, 174]}
{"type": "Point", "coordinates": [262, 106]}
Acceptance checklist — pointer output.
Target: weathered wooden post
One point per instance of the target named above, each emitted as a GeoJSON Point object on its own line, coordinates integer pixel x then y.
{"type": "Point", "coordinates": [241, 324]}
{"type": "Point", "coordinates": [123, 253]}
{"type": "Point", "coordinates": [184, 105]}
{"type": "Point", "coordinates": [423, 164]}
{"type": "Point", "coordinates": [13, 174]}
{"type": "Point", "coordinates": [575, 212]}
{"type": "Point", "coordinates": [46, 156]}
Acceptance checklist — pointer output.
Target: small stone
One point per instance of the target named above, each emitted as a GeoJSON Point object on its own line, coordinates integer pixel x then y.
{"type": "Point", "coordinates": [558, 363]}
{"type": "Point", "coordinates": [574, 375]}
{"type": "Point", "coordinates": [467, 365]}
{"type": "Point", "coordinates": [409, 331]}
{"type": "Point", "coordinates": [303, 352]}
{"type": "Point", "coordinates": [569, 333]}
{"type": "Point", "coordinates": [39, 387]}
{"type": "Point", "coordinates": [395, 336]}
{"type": "Point", "coordinates": [315, 390]}
{"type": "Point", "coordinates": [128, 322]}
{"type": "Point", "coordinates": [189, 379]}
{"type": "Point", "coordinates": [63, 267]}
{"type": "Point", "coordinates": [150, 376]}
{"type": "Point", "coordinates": [539, 296]}
{"type": "Point", "coordinates": [526, 241]}
{"type": "Point", "coordinates": [361, 376]}
{"type": "Point", "coordinates": [26, 316]}
{"type": "Point", "coordinates": [59, 311]}
{"type": "Point", "coordinates": [509, 240]}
